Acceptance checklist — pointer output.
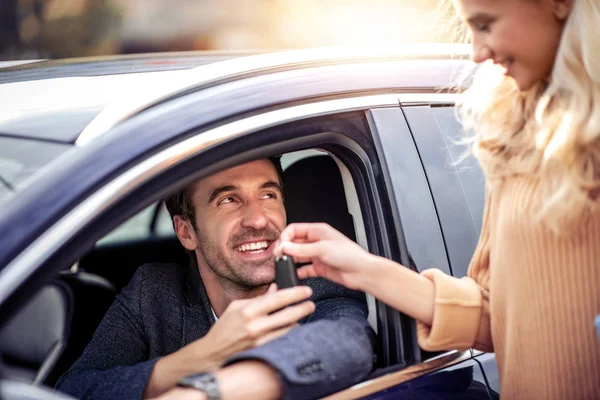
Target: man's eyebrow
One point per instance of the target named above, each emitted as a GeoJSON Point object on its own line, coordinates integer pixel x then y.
{"type": "Point", "coordinates": [220, 190]}
{"type": "Point", "coordinates": [272, 185]}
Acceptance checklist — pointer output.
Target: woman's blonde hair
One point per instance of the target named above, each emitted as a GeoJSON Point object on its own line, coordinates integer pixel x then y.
{"type": "Point", "coordinates": [551, 131]}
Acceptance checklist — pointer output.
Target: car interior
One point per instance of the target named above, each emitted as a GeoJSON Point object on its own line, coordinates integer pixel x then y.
{"type": "Point", "coordinates": [46, 336]}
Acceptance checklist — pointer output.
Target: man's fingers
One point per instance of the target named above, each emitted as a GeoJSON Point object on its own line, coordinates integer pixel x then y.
{"type": "Point", "coordinates": [274, 335]}
{"type": "Point", "coordinates": [282, 318]}
{"type": "Point", "coordinates": [275, 301]}
{"type": "Point", "coordinates": [272, 288]}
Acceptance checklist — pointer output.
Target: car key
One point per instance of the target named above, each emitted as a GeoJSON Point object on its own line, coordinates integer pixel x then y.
{"type": "Point", "coordinates": [285, 272]}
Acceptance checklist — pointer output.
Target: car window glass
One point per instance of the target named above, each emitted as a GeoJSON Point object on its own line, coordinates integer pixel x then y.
{"type": "Point", "coordinates": [139, 227]}
{"type": "Point", "coordinates": [164, 224]}
{"type": "Point", "coordinates": [135, 228]}
{"type": "Point", "coordinates": [290, 158]}
{"type": "Point", "coordinates": [468, 169]}
{"type": "Point", "coordinates": [4, 190]}
{"type": "Point", "coordinates": [21, 158]}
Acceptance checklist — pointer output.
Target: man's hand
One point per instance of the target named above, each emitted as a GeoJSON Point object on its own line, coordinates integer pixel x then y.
{"type": "Point", "coordinates": [249, 323]}
{"type": "Point", "coordinates": [244, 324]}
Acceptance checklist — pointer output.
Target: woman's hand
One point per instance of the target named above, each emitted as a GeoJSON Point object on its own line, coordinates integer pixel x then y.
{"type": "Point", "coordinates": [331, 254]}
{"type": "Point", "coordinates": [337, 258]}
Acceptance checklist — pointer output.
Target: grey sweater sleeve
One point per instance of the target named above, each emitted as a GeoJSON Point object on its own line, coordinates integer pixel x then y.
{"type": "Point", "coordinates": [115, 363]}
{"type": "Point", "coordinates": [332, 350]}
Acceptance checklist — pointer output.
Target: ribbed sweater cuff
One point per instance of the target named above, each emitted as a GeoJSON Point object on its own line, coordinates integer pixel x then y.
{"type": "Point", "coordinates": [457, 313]}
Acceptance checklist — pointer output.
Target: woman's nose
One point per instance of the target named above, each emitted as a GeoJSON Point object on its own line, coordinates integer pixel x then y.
{"type": "Point", "coordinates": [481, 53]}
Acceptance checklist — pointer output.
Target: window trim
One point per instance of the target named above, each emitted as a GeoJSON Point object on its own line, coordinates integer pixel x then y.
{"type": "Point", "coordinates": [393, 379]}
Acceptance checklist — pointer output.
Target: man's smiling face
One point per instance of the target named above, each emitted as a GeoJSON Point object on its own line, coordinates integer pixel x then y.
{"type": "Point", "coordinates": [239, 214]}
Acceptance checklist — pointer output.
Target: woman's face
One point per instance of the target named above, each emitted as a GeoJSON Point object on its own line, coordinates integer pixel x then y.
{"type": "Point", "coordinates": [520, 35]}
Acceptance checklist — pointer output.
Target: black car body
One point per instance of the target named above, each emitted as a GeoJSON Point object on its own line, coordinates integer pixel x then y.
{"type": "Point", "coordinates": [92, 146]}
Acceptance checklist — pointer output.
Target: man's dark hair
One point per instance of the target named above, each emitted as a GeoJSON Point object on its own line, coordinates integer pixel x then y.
{"type": "Point", "coordinates": [180, 203]}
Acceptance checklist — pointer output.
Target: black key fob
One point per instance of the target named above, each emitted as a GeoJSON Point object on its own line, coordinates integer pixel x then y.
{"type": "Point", "coordinates": [285, 272]}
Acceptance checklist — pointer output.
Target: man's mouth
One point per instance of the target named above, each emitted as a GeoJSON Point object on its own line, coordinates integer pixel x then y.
{"type": "Point", "coordinates": [254, 247]}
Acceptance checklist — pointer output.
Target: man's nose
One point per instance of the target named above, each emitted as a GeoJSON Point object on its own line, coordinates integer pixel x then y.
{"type": "Point", "coordinates": [254, 216]}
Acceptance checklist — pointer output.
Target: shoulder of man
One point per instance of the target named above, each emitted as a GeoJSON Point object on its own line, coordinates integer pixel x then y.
{"type": "Point", "coordinates": [160, 283]}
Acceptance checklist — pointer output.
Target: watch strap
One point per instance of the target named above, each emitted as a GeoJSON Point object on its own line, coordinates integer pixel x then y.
{"type": "Point", "coordinates": [204, 381]}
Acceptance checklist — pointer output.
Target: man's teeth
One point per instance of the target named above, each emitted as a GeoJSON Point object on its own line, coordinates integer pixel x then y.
{"type": "Point", "coordinates": [253, 246]}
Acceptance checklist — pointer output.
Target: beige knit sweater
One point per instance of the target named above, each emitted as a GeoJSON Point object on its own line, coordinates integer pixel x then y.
{"type": "Point", "coordinates": [531, 297]}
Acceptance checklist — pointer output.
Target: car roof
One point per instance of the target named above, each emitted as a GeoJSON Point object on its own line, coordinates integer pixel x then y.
{"type": "Point", "coordinates": [30, 70]}
{"type": "Point", "coordinates": [53, 100]}
{"type": "Point", "coordinates": [57, 100]}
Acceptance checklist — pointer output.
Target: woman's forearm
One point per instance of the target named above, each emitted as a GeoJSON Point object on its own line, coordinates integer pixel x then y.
{"type": "Point", "coordinates": [400, 287]}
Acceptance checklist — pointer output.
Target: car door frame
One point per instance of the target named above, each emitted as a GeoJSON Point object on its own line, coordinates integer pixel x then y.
{"type": "Point", "coordinates": [406, 159]}
{"type": "Point", "coordinates": [454, 212]}
{"type": "Point", "coordinates": [62, 243]}
{"type": "Point", "coordinates": [104, 202]}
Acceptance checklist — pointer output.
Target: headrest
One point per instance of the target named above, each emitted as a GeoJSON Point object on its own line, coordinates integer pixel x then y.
{"type": "Point", "coordinates": [314, 192]}
{"type": "Point", "coordinates": [37, 328]}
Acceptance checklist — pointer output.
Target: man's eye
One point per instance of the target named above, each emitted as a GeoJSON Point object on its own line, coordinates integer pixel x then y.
{"type": "Point", "coordinates": [226, 200]}
{"type": "Point", "coordinates": [269, 196]}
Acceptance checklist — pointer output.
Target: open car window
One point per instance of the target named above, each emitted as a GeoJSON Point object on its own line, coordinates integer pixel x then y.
{"type": "Point", "coordinates": [153, 221]}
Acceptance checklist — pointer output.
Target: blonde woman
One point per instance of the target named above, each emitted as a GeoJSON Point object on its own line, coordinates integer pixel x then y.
{"type": "Point", "coordinates": [533, 290]}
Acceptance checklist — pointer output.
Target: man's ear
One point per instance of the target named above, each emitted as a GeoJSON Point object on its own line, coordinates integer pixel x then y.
{"type": "Point", "coordinates": [185, 233]}
{"type": "Point", "coordinates": [562, 8]}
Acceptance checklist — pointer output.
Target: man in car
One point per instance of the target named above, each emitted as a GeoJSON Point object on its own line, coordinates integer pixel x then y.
{"type": "Point", "coordinates": [218, 328]}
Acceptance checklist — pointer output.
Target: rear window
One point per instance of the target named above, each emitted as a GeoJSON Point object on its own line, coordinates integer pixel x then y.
{"type": "Point", "coordinates": [22, 158]}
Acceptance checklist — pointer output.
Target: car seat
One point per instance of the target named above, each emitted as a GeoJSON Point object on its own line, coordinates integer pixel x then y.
{"type": "Point", "coordinates": [33, 340]}
{"type": "Point", "coordinates": [92, 295]}
{"type": "Point", "coordinates": [314, 192]}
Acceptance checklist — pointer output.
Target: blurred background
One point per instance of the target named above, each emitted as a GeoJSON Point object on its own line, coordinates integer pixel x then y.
{"type": "Point", "coordinates": [32, 29]}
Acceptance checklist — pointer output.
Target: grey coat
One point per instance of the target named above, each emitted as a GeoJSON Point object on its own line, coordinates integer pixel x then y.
{"type": "Point", "coordinates": [165, 307]}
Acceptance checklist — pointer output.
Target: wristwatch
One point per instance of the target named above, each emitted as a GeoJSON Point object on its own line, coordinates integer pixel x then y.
{"type": "Point", "coordinates": [204, 381]}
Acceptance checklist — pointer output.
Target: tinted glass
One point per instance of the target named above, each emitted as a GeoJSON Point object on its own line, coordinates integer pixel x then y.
{"type": "Point", "coordinates": [139, 227]}
{"type": "Point", "coordinates": [467, 167]}
{"type": "Point", "coordinates": [21, 158]}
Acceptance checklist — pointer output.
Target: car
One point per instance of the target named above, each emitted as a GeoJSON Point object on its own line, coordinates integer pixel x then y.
{"type": "Point", "coordinates": [89, 148]}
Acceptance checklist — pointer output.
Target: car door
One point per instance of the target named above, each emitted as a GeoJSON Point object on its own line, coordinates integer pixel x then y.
{"type": "Point", "coordinates": [457, 186]}
{"type": "Point", "coordinates": [338, 127]}
{"type": "Point", "coordinates": [171, 145]}
{"type": "Point", "coordinates": [418, 244]}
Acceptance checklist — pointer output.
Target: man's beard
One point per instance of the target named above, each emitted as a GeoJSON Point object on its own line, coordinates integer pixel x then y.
{"type": "Point", "coordinates": [237, 272]}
